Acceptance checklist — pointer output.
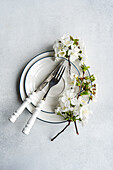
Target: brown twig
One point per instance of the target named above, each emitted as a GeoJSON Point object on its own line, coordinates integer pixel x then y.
{"type": "Point", "coordinates": [61, 131]}
{"type": "Point", "coordinates": [76, 128]}
{"type": "Point", "coordinates": [69, 65]}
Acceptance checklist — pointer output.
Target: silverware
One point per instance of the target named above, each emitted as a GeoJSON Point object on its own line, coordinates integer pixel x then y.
{"type": "Point", "coordinates": [29, 99]}
{"type": "Point", "coordinates": [51, 75]}
{"type": "Point", "coordinates": [52, 83]}
{"type": "Point", "coordinates": [55, 79]}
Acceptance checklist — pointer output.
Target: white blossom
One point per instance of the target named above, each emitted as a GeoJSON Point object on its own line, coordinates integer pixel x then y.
{"type": "Point", "coordinates": [72, 80]}
{"type": "Point", "coordinates": [83, 99]}
{"type": "Point", "coordinates": [84, 114]}
{"type": "Point", "coordinates": [66, 40]}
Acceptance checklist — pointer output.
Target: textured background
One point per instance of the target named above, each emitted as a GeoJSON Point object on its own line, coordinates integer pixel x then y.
{"type": "Point", "coordinates": [28, 27]}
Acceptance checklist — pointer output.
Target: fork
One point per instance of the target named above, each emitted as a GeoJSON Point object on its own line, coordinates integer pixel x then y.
{"type": "Point", "coordinates": [55, 80]}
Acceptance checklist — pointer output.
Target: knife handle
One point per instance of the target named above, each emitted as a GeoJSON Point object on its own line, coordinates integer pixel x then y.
{"type": "Point", "coordinates": [32, 119]}
{"type": "Point", "coordinates": [19, 111]}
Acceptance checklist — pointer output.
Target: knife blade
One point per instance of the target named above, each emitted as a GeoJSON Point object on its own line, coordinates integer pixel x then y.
{"type": "Point", "coordinates": [49, 77]}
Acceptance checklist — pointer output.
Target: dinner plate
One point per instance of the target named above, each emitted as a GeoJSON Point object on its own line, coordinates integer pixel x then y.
{"type": "Point", "coordinates": [34, 73]}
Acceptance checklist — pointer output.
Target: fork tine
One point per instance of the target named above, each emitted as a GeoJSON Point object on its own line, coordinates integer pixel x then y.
{"type": "Point", "coordinates": [57, 70]}
{"type": "Point", "coordinates": [58, 73]}
{"type": "Point", "coordinates": [61, 73]}
{"type": "Point", "coordinates": [58, 67]}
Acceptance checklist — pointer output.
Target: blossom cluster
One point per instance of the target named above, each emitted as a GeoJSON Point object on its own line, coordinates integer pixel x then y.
{"type": "Point", "coordinates": [67, 46]}
{"type": "Point", "coordinates": [70, 106]}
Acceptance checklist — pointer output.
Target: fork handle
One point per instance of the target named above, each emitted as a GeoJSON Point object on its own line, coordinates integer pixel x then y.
{"type": "Point", "coordinates": [46, 93]}
{"type": "Point", "coordinates": [32, 119]}
{"type": "Point", "coordinates": [19, 111]}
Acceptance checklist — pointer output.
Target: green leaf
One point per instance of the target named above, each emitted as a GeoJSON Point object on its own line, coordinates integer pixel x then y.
{"type": "Point", "coordinates": [75, 41]}
{"type": "Point", "coordinates": [77, 83]}
{"type": "Point", "coordinates": [86, 86]}
{"type": "Point", "coordinates": [85, 93]}
{"type": "Point", "coordinates": [66, 118]}
{"type": "Point", "coordinates": [83, 84]}
{"type": "Point", "coordinates": [71, 38]}
{"type": "Point", "coordinates": [68, 113]}
{"type": "Point", "coordinates": [77, 78]}
{"type": "Point", "coordinates": [71, 118]}
{"type": "Point", "coordinates": [87, 78]}
{"type": "Point", "coordinates": [80, 119]}
{"type": "Point", "coordinates": [66, 54]}
{"type": "Point", "coordinates": [84, 68]}
{"type": "Point", "coordinates": [59, 114]}
{"type": "Point", "coordinates": [92, 77]}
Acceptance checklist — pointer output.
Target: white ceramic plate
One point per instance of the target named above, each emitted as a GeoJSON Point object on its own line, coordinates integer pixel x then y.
{"type": "Point", "coordinates": [34, 73]}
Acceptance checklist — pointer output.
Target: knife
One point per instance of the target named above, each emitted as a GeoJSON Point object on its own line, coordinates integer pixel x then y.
{"type": "Point", "coordinates": [29, 99]}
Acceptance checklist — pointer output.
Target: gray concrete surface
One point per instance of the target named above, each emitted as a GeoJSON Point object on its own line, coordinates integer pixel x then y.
{"type": "Point", "coordinates": [28, 27]}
